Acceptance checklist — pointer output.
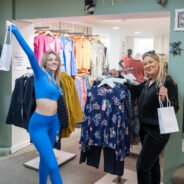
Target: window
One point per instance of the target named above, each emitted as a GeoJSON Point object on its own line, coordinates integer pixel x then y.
{"type": "Point", "coordinates": [142, 45]}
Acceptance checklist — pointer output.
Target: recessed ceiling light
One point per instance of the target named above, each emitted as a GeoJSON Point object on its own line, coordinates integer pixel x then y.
{"type": "Point", "coordinates": [115, 27]}
{"type": "Point", "coordinates": [137, 32]}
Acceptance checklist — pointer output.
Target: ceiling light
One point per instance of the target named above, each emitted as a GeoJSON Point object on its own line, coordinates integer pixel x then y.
{"type": "Point", "coordinates": [137, 32]}
{"type": "Point", "coordinates": [115, 27]}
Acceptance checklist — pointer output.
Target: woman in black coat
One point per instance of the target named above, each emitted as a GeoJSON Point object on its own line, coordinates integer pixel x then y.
{"type": "Point", "coordinates": [159, 84]}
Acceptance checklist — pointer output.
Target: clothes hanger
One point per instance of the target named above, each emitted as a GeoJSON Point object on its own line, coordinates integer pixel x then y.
{"type": "Point", "coordinates": [66, 36]}
{"type": "Point", "coordinates": [82, 38]}
{"type": "Point", "coordinates": [111, 81]}
{"type": "Point", "coordinates": [49, 33]}
{"type": "Point", "coordinates": [29, 72]}
{"type": "Point", "coordinates": [39, 32]}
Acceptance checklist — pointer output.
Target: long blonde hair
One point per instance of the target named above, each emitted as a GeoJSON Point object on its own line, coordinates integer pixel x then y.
{"type": "Point", "coordinates": [43, 65]}
{"type": "Point", "coordinates": [162, 69]}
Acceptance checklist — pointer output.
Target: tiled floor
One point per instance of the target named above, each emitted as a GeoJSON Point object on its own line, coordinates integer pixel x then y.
{"type": "Point", "coordinates": [129, 177]}
{"type": "Point", "coordinates": [13, 170]}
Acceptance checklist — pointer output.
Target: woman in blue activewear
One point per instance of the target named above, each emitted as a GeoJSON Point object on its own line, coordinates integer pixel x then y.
{"type": "Point", "coordinates": [44, 124]}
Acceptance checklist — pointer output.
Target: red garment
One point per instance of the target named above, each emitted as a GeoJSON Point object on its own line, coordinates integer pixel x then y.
{"type": "Point", "coordinates": [138, 68]}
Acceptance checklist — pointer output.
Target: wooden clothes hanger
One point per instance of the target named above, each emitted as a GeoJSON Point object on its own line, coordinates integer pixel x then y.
{"type": "Point", "coordinates": [49, 33]}
{"type": "Point", "coordinates": [82, 38]}
{"type": "Point", "coordinates": [39, 32]}
{"type": "Point", "coordinates": [67, 36]}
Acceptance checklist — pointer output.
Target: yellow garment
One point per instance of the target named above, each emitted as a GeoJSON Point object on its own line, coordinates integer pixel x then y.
{"type": "Point", "coordinates": [75, 114]}
{"type": "Point", "coordinates": [83, 54]}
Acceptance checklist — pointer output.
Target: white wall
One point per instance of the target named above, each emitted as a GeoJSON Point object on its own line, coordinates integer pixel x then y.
{"type": "Point", "coordinates": [114, 39]}
{"type": "Point", "coordinates": [20, 137]}
{"type": "Point", "coordinates": [115, 51]}
{"type": "Point", "coordinates": [160, 45]}
{"type": "Point", "coordinates": [113, 43]}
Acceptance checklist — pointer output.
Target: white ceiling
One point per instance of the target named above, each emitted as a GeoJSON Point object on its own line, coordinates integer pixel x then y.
{"type": "Point", "coordinates": [149, 24]}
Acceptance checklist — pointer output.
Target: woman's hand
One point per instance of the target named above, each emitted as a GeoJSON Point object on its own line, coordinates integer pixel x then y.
{"type": "Point", "coordinates": [163, 92]}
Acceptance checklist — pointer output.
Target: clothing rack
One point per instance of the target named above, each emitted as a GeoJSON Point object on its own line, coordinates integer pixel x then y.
{"type": "Point", "coordinates": [119, 179]}
{"type": "Point", "coordinates": [47, 28]}
{"type": "Point", "coordinates": [42, 27]}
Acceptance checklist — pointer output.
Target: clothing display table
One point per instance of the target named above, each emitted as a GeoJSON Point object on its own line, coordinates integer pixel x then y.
{"type": "Point", "coordinates": [61, 156]}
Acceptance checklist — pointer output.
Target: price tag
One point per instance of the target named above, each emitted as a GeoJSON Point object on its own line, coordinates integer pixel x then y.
{"type": "Point", "coordinates": [104, 105]}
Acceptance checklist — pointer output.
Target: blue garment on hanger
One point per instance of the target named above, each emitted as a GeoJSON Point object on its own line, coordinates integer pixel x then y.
{"type": "Point", "coordinates": [68, 57]}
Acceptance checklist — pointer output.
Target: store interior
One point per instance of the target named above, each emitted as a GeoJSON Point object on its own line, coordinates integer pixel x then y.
{"type": "Point", "coordinates": [140, 32]}
{"type": "Point", "coordinates": [117, 32]}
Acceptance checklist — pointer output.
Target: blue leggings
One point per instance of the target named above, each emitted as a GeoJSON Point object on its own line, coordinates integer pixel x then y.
{"type": "Point", "coordinates": [43, 130]}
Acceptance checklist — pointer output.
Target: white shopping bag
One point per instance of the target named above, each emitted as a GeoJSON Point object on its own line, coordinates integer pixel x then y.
{"type": "Point", "coordinates": [6, 54]}
{"type": "Point", "coordinates": [167, 118]}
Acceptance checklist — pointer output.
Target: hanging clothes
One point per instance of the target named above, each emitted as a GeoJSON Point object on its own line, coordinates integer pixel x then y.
{"type": "Point", "coordinates": [98, 62]}
{"type": "Point", "coordinates": [83, 54]}
{"type": "Point", "coordinates": [43, 43]}
{"type": "Point", "coordinates": [23, 102]}
{"type": "Point", "coordinates": [75, 114]}
{"type": "Point", "coordinates": [106, 123]}
{"type": "Point", "coordinates": [63, 119]}
{"type": "Point", "coordinates": [81, 90]}
{"type": "Point", "coordinates": [67, 56]}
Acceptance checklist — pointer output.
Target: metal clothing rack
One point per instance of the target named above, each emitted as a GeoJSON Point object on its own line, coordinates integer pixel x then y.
{"type": "Point", "coordinates": [119, 179]}
{"type": "Point", "coordinates": [62, 31]}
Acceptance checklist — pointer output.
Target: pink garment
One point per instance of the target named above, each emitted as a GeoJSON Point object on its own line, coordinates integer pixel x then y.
{"type": "Point", "coordinates": [138, 68]}
{"type": "Point", "coordinates": [43, 43]}
{"type": "Point", "coordinates": [84, 90]}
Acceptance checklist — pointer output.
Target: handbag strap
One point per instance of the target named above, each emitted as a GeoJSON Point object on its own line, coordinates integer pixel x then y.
{"type": "Point", "coordinates": [6, 35]}
{"type": "Point", "coordinates": [168, 101]}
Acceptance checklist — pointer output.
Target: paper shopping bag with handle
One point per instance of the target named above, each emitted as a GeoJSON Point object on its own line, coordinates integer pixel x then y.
{"type": "Point", "coordinates": [167, 118]}
{"type": "Point", "coordinates": [6, 53]}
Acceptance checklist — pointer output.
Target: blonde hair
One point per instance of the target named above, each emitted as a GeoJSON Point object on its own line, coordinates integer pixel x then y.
{"type": "Point", "coordinates": [43, 65]}
{"type": "Point", "coordinates": [162, 69]}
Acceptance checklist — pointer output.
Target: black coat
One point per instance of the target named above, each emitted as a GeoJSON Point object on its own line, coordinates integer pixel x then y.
{"type": "Point", "coordinates": [148, 100]}
{"type": "Point", "coordinates": [63, 119]}
{"type": "Point", "coordinates": [22, 102]}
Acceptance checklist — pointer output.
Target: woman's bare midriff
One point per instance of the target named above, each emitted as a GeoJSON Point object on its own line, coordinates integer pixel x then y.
{"type": "Point", "coordinates": [46, 106]}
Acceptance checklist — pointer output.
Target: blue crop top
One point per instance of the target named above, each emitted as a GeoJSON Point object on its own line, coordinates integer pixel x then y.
{"type": "Point", "coordinates": [44, 87]}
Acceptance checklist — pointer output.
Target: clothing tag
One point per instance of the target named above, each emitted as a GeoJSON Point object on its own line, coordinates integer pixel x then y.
{"type": "Point", "coordinates": [89, 94]}
{"type": "Point", "coordinates": [104, 105]}
{"type": "Point", "coordinates": [21, 111]}
{"type": "Point", "coordinates": [57, 137]}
